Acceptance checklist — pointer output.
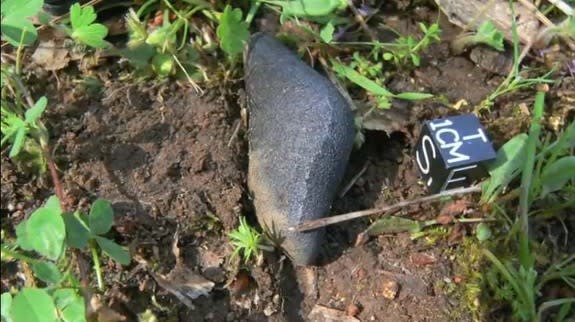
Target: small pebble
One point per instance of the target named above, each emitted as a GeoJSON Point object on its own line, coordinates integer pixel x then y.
{"type": "Point", "coordinates": [390, 289]}
{"type": "Point", "coordinates": [270, 309]}
{"type": "Point", "coordinates": [276, 299]}
{"type": "Point", "coordinates": [352, 310]}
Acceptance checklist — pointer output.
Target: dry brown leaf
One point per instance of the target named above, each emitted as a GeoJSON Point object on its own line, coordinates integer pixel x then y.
{"type": "Point", "coordinates": [456, 207]}
{"type": "Point", "coordinates": [185, 284]}
{"type": "Point", "coordinates": [444, 219]}
{"type": "Point", "coordinates": [241, 284]}
{"type": "Point", "coordinates": [423, 259]}
{"type": "Point", "coordinates": [51, 55]}
{"type": "Point", "coordinates": [388, 121]}
{"type": "Point", "coordinates": [321, 313]}
{"type": "Point", "coordinates": [102, 313]}
{"type": "Point", "coordinates": [471, 13]}
{"type": "Point", "coordinates": [182, 282]}
{"type": "Point", "coordinates": [106, 314]}
{"type": "Point", "coordinates": [361, 239]}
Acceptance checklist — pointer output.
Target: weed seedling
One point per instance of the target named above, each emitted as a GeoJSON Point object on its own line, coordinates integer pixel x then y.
{"type": "Point", "coordinates": [486, 34]}
{"type": "Point", "coordinates": [44, 242]}
{"type": "Point", "coordinates": [514, 81]}
{"type": "Point", "coordinates": [233, 32]}
{"type": "Point", "coordinates": [408, 49]}
{"type": "Point", "coordinates": [382, 95]}
{"type": "Point", "coordinates": [247, 241]}
{"type": "Point", "coordinates": [17, 130]}
{"type": "Point", "coordinates": [522, 156]}
{"type": "Point", "coordinates": [308, 9]}
{"type": "Point", "coordinates": [84, 29]}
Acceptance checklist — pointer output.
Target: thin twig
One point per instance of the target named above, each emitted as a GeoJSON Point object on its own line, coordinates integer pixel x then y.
{"type": "Point", "coordinates": [540, 16]}
{"type": "Point", "coordinates": [563, 6]}
{"type": "Point", "coordinates": [314, 224]}
{"type": "Point", "coordinates": [23, 90]}
{"type": "Point", "coordinates": [353, 180]}
{"type": "Point", "coordinates": [235, 133]}
{"type": "Point", "coordinates": [361, 21]}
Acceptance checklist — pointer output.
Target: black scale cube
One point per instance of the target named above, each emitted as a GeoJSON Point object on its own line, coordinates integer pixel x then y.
{"type": "Point", "coordinates": [453, 152]}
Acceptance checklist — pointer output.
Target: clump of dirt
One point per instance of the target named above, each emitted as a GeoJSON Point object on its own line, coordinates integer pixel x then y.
{"type": "Point", "coordinates": [169, 153]}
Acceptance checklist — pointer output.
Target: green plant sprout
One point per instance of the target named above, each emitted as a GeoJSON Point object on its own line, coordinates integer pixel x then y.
{"type": "Point", "coordinates": [89, 230]}
{"type": "Point", "coordinates": [48, 234]}
{"type": "Point", "coordinates": [383, 96]}
{"type": "Point", "coordinates": [308, 9]}
{"type": "Point", "coordinates": [17, 130]}
{"type": "Point", "coordinates": [165, 51]}
{"type": "Point", "coordinates": [247, 241]}
{"type": "Point", "coordinates": [407, 49]}
{"type": "Point", "coordinates": [553, 171]}
{"type": "Point", "coordinates": [84, 29]}
{"type": "Point", "coordinates": [486, 34]}
{"type": "Point", "coordinates": [233, 32]}
{"type": "Point", "coordinates": [514, 81]}
{"type": "Point", "coordinates": [539, 176]}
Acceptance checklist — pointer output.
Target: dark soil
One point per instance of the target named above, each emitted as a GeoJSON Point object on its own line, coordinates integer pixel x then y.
{"type": "Point", "coordinates": [168, 160]}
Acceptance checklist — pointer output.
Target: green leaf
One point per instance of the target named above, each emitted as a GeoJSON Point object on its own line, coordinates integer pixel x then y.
{"type": "Point", "coordinates": [101, 217]}
{"type": "Point", "coordinates": [245, 239]}
{"type": "Point", "coordinates": [387, 56]}
{"type": "Point", "coordinates": [557, 174]}
{"type": "Point", "coordinates": [53, 203]}
{"type": "Point", "coordinates": [415, 59]}
{"type": "Point", "coordinates": [233, 31]}
{"type": "Point", "coordinates": [11, 123]}
{"type": "Point", "coordinates": [80, 17]}
{"type": "Point", "coordinates": [359, 79]}
{"type": "Point", "coordinates": [326, 32]}
{"type": "Point", "coordinates": [22, 237]}
{"type": "Point", "coordinates": [16, 29]}
{"type": "Point", "coordinates": [163, 64]}
{"type": "Point", "coordinates": [506, 167]}
{"type": "Point", "coordinates": [310, 8]}
{"type": "Point", "coordinates": [392, 225]}
{"type": "Point", "coordinates": [411, 96]}
{"type": "Point", "coordinates": [34, 113]}
{"type": "Point", "coordinates": [21, 9]}
{"type": "Point", "coordinates": [6, 306]}
{"type": "Point", "coordinates": [77, 232]}
{"type": "Point", "coordinates": [47, 272]}
{"type": "Point", "coordinates": [70, 304]}
{"type": "Point", "coordinates": [488, 34]}
{"type": "Point", "coordinates": [114, 250]}
{"type": "Point", "coordinates": [161, 37]}
{"type": "Point", "coordinates": [18, 142]}
{"type": "Point", "coordinates": [33, 305]}
{"type": "Point", "coordinates": [92, 35]}
{"type": "Point", "coordinates": [482, 232]}
{"type": "Point", "coordinates": [83, 28]}
{"type": "Point", "coordinates": [46, 232]}
{"type": "Point", "coordinates": [139, 56]}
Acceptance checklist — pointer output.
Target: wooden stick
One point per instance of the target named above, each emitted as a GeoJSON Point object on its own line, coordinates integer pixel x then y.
{"type": "Point", "coordinates": [318, 223]}
{"type": "Point", "coordinates": [362, 22]}
{"type": "Point", "coordinates": [354, 180]}
{"type": "Point", "coordinates": [563, 6]}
